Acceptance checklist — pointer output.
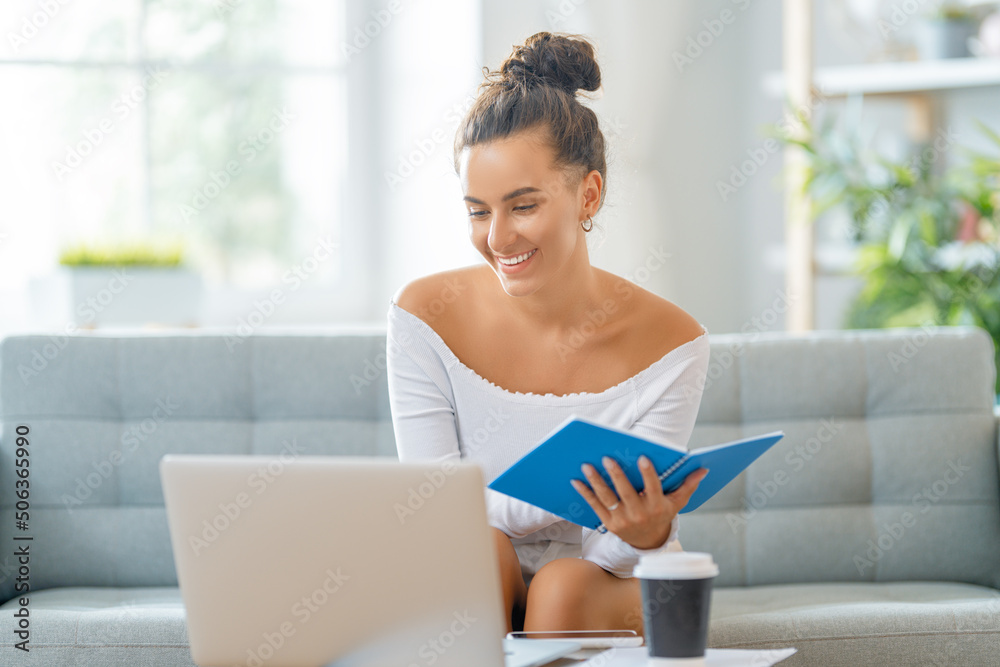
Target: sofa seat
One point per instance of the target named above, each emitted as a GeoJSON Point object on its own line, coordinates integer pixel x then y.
{"type": "Point", "coordinates": [898, 623]}
{"type": "Point", "coordinates": [902, 623]}
{"type": "Point", "coordinates": [105, 626]}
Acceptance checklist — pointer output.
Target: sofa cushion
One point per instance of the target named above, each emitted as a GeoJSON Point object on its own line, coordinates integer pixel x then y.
{"type": "Point", "coordinates": [103, 410]}
{"type": "Point", "coordinates": [887, 471]}
{"type": "Point", "coordinates": [103, 627]}
{"type": "Point", "coordinates": [830, 624]}
{"type": "Point", "coordinates": [900, 623]}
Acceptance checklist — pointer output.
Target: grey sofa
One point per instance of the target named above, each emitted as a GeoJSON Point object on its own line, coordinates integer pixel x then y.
{"type": "Point", "coordinates": [869, 535]}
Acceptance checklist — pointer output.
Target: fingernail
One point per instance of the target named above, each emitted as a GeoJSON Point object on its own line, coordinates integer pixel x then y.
{"type": "Point", "coordinates": [608, 461]}
{"type": "Point", "coordinates": [643, 460]}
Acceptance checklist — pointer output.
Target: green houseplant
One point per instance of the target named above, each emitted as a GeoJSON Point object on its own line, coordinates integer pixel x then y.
{"type": "Point", "coordinates": [928, 238]}
{"type": "Point", "coordinates": [142, 282]}
{"type": "Point", "coordinates": [943, 31]}
{"type": "Point", "coordinates": [129, 253]}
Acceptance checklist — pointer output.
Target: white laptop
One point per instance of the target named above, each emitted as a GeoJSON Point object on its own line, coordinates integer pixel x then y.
{"type": "Point", "coordinates": [340, 561]}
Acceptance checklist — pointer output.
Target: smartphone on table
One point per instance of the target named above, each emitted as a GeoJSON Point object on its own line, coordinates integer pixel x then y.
{"type": "Point", "coordinates": [586, 638]}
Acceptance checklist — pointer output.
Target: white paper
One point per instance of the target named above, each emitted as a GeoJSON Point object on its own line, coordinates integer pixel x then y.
{"type": "Point", "coordinates": [714, 657]}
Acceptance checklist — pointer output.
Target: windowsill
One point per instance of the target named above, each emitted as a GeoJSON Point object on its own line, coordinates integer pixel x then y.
{"type": "Point", "coordinates": [223, 310]}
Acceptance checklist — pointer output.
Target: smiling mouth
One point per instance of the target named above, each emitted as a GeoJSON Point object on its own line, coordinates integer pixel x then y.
{"type": "Point", "coordinates": [517, 259]}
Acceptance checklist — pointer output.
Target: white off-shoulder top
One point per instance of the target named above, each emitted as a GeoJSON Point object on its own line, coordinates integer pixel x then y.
{"type": "Point", "coordinates": [442, 409]}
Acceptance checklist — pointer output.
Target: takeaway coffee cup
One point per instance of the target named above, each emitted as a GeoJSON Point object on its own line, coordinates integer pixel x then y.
{"type": "Point", "coordinates": [676, 594]}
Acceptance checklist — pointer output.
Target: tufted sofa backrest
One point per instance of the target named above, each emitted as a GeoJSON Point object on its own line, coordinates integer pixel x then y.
{"type": "Point", "coordinates": [102, 410]}
{"type": "Point", "coordinates": [888, 469]}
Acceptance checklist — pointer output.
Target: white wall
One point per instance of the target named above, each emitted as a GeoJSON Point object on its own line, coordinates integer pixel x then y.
{"type": "Point", "coordinates": [663, 130]}
{"type": "Point", "coordinates": [675, 133]}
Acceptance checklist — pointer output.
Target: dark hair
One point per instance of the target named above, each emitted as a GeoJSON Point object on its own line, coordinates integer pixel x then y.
{"type": "Point", "coordinates": [536, 86]}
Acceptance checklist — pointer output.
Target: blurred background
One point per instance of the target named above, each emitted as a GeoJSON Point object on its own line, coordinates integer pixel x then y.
{"type": "Point", "coordinates": [276, 163]}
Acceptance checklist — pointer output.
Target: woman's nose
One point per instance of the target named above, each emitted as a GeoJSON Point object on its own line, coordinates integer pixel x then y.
{"type": "Point", "coordinates": [502, 232]}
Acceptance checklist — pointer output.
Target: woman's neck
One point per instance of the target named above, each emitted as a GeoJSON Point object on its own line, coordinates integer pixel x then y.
{"type": "Point", "coordinates": [563, 302]}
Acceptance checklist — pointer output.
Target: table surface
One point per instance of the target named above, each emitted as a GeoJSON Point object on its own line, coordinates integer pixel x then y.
{"type": "Point", "coordinates": [636, 657]}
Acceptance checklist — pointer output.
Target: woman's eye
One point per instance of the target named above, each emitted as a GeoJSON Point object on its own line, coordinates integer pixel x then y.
{"type": "Point", "coordinates": [476, 214]}
{"type": "Point", "coordinates": [526, 207]}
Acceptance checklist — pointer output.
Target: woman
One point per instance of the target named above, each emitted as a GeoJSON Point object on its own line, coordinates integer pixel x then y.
{"type": "Point", "coordinates": [485, 360]}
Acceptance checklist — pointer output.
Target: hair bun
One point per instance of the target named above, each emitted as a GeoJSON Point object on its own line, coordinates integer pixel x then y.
{"type": "Point", "coordinates": [560, 61]}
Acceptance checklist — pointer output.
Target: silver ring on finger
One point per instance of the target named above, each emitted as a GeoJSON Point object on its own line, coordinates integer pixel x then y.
{"type": "Point", "coordinates": [614, 507]}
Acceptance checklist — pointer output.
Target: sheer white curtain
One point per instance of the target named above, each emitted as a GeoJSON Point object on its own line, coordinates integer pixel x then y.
{"type": "Point", "coordinates": [433, 64]}
{"type": "Point", "coordinates": [393, 78]}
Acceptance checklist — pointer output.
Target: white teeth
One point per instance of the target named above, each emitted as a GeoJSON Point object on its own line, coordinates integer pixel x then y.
{"type": "Point", "coordinates": [518, 259]}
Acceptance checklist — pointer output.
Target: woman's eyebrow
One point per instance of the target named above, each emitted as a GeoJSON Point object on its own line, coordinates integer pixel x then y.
{"type": "Point", "coordinates": [506, 197]}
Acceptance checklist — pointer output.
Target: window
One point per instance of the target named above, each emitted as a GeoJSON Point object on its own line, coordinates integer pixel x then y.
{"type": "Point", "coordinates": [219, 122]}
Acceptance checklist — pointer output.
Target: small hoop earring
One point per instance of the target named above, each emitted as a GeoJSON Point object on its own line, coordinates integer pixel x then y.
{"type": "Point", "coordinates": [587, 227]}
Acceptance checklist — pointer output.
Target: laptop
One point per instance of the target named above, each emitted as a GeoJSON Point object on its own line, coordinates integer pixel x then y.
{"type": "Point", "coordinates": [338, 561]}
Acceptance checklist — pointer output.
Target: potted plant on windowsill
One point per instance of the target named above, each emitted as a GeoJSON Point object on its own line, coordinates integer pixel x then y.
{"type": "Point", "coordinates": [125, 283]}
{"type": "Point", "coordinates": [927, 238]}
{"type": "Point", "coordinates": [944, 32]}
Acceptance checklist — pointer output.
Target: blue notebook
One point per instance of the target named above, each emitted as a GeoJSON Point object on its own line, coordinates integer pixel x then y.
{"type": "Point", "coordinates": [542, 476]}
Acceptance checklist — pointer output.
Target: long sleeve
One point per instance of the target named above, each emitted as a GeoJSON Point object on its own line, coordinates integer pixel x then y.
{"type": "Point", "coordinates": [424, 420]}
{"type": "Point", "coordinates": [670, 419]}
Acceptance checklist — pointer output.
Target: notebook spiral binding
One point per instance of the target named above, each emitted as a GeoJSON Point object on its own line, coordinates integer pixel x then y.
{"type": "Point", "coordinates": [664, 475]}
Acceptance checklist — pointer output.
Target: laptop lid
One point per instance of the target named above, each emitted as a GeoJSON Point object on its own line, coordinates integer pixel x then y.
{"type": "Point", "coordinates": [302, 561]}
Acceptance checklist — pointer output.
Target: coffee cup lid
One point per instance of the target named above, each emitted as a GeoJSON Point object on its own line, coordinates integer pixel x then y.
{"type": "Point", "coordinates": [676, 565]}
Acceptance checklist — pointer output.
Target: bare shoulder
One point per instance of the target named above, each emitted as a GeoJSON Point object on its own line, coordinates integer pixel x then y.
{"type": "Point", "coordinates": [659, 324]}
{"type": "Point", "coordinates": [439, 297]}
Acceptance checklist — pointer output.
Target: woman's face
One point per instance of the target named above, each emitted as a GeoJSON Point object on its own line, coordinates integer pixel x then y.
{"type": "Point", "coordinates": [520, 204]}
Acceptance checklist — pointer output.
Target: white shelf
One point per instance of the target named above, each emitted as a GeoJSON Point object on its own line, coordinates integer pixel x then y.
{"type": "Point", "coordinates": [898, 77]}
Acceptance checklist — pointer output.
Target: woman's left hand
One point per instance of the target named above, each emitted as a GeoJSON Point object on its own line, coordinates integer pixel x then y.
{"type": "Point", "coordinates": [642, 519]}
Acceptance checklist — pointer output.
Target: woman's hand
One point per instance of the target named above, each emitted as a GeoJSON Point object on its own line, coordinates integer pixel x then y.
{"type": "Point", "coordinates": [642, 519]}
